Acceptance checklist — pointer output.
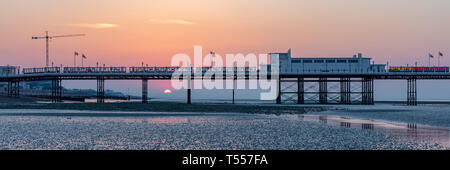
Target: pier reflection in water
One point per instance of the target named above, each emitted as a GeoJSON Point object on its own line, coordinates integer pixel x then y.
{"type": "Point", "coordinates": [406, 131]}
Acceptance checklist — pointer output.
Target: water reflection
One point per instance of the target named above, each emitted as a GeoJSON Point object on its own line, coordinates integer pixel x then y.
{"type": "Point", "coordinates": [153, 120]}
{"type": "Point", "coordinates": [368, 126]}
{"type": "Point", "coordinates": [407, 131]}
{"type": "Point", "coordinates": [150, 120]}
{"type": "Point", "coordinates": [323, 119]}
{"type": "Point", "coordinates": [412, 126]}
{"type": "Point", "coordinates": [346, 124]}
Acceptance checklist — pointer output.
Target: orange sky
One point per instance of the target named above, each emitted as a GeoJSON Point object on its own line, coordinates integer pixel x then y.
{"type": "Point", "coordinates": [130, 32]}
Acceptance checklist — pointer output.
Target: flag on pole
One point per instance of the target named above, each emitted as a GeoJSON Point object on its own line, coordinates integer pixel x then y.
{"type": "Point", "coordinates": [440, 54]}
{"type": "Point", "coordinates": [430, 55]}
{"type": "Point", "coordinates": [83, 56]}
{"type": "Point", "coordinates": [76, 53]}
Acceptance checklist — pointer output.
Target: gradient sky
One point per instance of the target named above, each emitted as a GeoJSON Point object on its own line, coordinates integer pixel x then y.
{"type": "Point", "coordinates": [123, 32]}
{"type": "Point", "coordinates": [127, 33]}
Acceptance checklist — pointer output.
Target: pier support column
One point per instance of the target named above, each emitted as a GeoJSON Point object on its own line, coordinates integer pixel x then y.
{"type": "Point", "coordinates": [13, 88]}
{"type": "Point", "coordinates": [234, 85]}
{"type": "Point", "coordinates": [348, 91]}
{"type": "Point", "coordinates": [53, 91]}
{"type": "Point", "coordinates": [371, 97]}
{"type": "Point", "coordinates": [17, 88]}
{"type": "Point", "coordinates": [56, 90]}
{"type": "Point", "coordinates": [411, 92]}
{"type": "Point", "coordinates": [367, 91]}
{"type": "Point", "coordinates": [189, 91]}
{"type": "Point", "coordinates": [10, 89]}
{"type": "Point", "coordinates": [144, 90]}
{"type": "Point", "coordinates": [364, 90]}
{"type": "Point", "coordinates": [100, 90]}
{"type": "Point", "coordinates": [343, 85]}
{"type": "Point", "coordinates": [300, 90]}
{"type": "Point", "coordinates": [323, 90]}
{"type": "Point", "coordinates": [345, 90]}
{"type": "Point", "coordinates": [279, 91]}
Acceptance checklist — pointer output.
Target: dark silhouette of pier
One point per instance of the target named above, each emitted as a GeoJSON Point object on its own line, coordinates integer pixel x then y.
{"type": "Point", "coordinates": [299, 88]}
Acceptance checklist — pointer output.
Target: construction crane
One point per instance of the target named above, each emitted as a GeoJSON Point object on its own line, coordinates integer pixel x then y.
{"type": "Point", "coordinates": [51, 37]}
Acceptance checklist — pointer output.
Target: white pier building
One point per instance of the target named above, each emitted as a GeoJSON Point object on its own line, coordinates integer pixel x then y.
{"type": "Point", "coordinates": [355, 64]}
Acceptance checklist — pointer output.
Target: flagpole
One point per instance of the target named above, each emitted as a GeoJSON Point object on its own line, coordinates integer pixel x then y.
{"type": "Point", "coordinates": [74, 60]}
{"type": "Point", "coordinates": [439, 60]}
{"type": "Point", "coordinates": [429, 64]}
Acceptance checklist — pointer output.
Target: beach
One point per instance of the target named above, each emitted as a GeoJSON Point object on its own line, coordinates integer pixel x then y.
{"type": "Point", "coordinates": [205, 126]}
{"type": "Point", "coordinates": [173, 131]}
{"type": "Point", "coordinates": [31, 124]}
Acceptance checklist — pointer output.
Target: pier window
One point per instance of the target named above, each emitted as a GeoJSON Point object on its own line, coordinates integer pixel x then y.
{"type": "Point", "coordinates": [296, 61]}
{"type": "Point", "coordinates": [353, 61]}
{"type": "Point", "coordinates": [341, 61]}
{"type": "Point", "coordinates": [307, 61]}
{"type": "Point", "coordinates": [330, 61]}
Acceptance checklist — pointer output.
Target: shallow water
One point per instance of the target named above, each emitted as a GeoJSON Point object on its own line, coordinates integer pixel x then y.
{"type": "Point", "coordinates": [406, 131]}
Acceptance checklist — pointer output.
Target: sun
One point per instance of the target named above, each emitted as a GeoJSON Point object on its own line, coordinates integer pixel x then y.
{"type": "Point", "coordinates": [167, 91]}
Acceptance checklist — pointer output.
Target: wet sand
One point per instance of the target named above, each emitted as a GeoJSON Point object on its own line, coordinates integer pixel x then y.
{"type": "Point", "coordinates": [5, 100]}
{"type": "Point", "coordinates": [172, 125]}
{"type": "Point", "coordinates": [172, 131]}
{"type": "Point", "coordinates": [156, 106]}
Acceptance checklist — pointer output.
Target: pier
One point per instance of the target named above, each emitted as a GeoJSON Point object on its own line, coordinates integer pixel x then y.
{"type": "Point", "coordinates": [296, 88]}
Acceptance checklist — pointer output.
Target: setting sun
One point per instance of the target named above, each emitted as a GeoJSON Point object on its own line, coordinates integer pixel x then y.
{"type": "Point", "coordinates": [167, 91]}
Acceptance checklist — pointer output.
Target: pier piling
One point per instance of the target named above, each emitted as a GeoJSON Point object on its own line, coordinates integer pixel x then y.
{"type": "Point", "coordinates": [189, 91]}
{"type": "Point", "coordinates": [144, 90]}
{"type": "Point", "coordinates": [411, 92]}
{"type": "Point", "coordinates": [56, 90]}
{"type": "Point", "coordinates": [300, 90]}
{"type": "Point", "coordinates": [100, 90]}
{"type": "Point", "coordinates": [323, 90]}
